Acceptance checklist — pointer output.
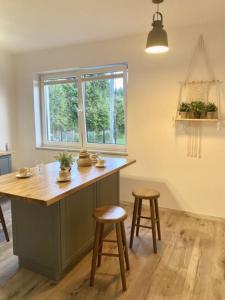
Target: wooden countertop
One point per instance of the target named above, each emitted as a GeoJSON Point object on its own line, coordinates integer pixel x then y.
{"type": "Point", "coordinates": [44, 189]}
{"type": "Point", "coordinates": [4, 153]}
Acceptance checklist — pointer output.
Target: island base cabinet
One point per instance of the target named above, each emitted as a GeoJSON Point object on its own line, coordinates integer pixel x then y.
{"type": "Point", "coordinates": [77, 225]}
{"type": "Point", "coordinates": [5, 164]}
{"type": "Point", "coordinates": [36, 237]}
{"type": "Point", "coordinates": [108, 190]}
{"type": "Point", "coordinates": [51, 240]}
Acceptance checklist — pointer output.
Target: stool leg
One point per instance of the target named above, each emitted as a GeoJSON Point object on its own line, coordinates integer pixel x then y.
{"type": "Point", "coordinates": [95, 253]}
{"type": "Point", "coordinates": [158, 218]}
{"type": "Point", "coordinates": [4, 225]}
{"type": "Point", "coordinates": [133, 222]}
{"type": "Point", "coordinates": [100, 245]}
{"type": "Point", "coordinates": [125, 245]}
{"type": "Point", "coordinates": [138, 216]}
{"type": "Point", "coordinates": [121, 255]}
{"type": "Point", "coordinates": [153, 225]}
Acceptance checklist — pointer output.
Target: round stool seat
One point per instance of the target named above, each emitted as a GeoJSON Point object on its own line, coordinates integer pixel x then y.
{"type": "Point", "coordinates": [110, 214]}
{"type": "Point", "coordinates": [145, 193]}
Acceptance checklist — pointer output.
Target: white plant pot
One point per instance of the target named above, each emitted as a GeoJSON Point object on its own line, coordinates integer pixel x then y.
{"type": "Point", "coordinates": [212, 115]}
{"type": "Point", "coordinates": [184, 114]}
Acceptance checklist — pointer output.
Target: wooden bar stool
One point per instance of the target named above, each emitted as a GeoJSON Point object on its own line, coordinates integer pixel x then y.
{"type": "Point", "coordinates": [2, 221]}
{"type": "Point", "coordinates": [110, 215]}
{"type": "Point", "coordinates": [151, 195]}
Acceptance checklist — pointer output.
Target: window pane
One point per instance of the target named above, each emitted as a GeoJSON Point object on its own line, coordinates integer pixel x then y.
{"type": "Point", "coordinates": [104, 111]}
{"type": "Point", "coordinates": [62, 112]}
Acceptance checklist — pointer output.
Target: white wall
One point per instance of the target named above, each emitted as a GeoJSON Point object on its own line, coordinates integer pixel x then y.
{"type": "Point", "coordinates": [7, 101]}
{"type": "Point", "coordinates": [195, 185]}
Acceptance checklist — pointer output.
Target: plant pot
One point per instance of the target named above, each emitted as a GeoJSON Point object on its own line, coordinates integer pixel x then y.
{"type": "Point", "coordinates": [65, 168]}
{"type": "Point", "coordinates": [195, 115]}
{"type": "Point", "coordinates": [191, 115]}
{"type": "Point", "coordinates": [184, 114]}
{"type": "Point", "coordinates": [203, 115]}
{"type": "Point", "coordinates": [212, 115]}
{"type": "Point", "coordinates": [64, 173]}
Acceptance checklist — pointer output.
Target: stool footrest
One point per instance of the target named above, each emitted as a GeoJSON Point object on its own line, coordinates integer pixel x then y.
{"type": "Point", "coordinates": [142, 217]}
{"type": "Point", "coordinates": [147, 218]}
{"type": "Point", "coordinates": [109, 254]}
{"type": "Point", "coordinates": [143, 226]}
{"type": "Point", "coordinates": [110, 241]}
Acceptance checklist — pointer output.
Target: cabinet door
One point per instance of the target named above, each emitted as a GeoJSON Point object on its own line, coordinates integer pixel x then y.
{"type": "Point", "coordinates": [108, 190]}
{"type": "Point", "coordinates": [36, 236]}
{"type": "Point", "coordinates": [5, 165]}
{"type": "Point", "coordinates": [77, 224]}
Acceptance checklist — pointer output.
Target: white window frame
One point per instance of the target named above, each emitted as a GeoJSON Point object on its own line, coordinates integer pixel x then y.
{"type": "Point", "coordinates": [45, 142]}
{"type": "Point", "coordinates": [79, 79]}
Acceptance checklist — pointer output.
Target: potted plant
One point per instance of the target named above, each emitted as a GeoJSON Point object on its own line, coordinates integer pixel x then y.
{"type": "Point", "coordinates": [197, 109]}
{"type": "Point", "coordinates": [184, 110]}
{"type": "Point", "coordinates": [211, 111]}
{"type": "Point", "coordinates": [65, 159]}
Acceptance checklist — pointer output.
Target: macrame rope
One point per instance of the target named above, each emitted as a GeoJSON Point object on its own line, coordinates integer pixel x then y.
{"type": "Point", "coordinates": [200, 48]}
{"type": "Point", "coordinates": [194, 141]}
{"type": "Point", "coordinates": [198, 90]}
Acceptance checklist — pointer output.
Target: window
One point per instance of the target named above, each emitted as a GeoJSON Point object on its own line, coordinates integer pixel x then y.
{"type": "Point", "coordinates": [85, 108]}
{"type": "Point", "coordinates": [61, 100]}
{"type": "Point", "coordinates": [104, 109]}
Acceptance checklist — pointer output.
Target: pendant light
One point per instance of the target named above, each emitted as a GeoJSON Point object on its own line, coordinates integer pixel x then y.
{"type": "Point", "coordinates": [157, 41]}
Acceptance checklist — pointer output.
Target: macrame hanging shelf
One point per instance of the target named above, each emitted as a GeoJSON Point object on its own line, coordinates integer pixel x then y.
{"type": "Point", "coordinates": [198, 90]}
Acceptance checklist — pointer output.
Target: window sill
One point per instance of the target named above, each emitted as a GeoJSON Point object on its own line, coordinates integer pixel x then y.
{"type": "Point", "coordinates": [110, 152]}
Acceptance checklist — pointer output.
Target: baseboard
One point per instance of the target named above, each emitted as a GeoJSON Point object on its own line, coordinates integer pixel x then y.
{"type": "Point", "coordinates": [188, 213]}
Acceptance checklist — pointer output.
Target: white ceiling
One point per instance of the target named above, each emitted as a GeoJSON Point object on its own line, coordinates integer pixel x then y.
{"type": "Point", "coordinates": [36, 24]}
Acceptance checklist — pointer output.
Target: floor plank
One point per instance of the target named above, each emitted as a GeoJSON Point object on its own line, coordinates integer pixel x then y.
{"type": "Point", "coordinates": [190, 264]}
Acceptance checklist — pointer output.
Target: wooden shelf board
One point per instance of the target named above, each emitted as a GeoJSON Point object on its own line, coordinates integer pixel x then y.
{"type": "Point", "coordinates": [198, 120]}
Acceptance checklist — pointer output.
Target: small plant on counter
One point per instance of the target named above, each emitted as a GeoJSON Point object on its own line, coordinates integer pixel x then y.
{"type": "Point", "coordinates": [184, 110]}
{"type": "Point", "coordinates": [66, 160]}
{"type": "Point", "coordinates": [197, 109]}
{"type": "Point", "coordinates": [211, 110]}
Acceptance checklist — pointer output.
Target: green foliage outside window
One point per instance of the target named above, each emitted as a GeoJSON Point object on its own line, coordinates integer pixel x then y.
{"type": "Point", "coordinates": [63, 116]}
{"type": "Point", "coordinates": [63, 112]}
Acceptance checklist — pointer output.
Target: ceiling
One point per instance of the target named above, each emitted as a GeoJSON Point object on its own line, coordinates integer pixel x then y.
{"type": "Point", "coordinates": [36, 24]}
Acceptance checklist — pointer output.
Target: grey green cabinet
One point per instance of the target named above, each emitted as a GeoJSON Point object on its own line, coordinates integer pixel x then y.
{"type": "Point", "coordinates": [77, 224]}
{"type": "Point", "coordinates": [5, 164]}
{"type": "Point", "coordinates": [50, 240]}
{"type": "Point", "coordinates": [104, 197]}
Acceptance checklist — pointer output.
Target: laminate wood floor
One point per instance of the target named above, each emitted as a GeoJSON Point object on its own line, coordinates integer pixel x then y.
{"type": "Point", "coordinates": [190, 264]}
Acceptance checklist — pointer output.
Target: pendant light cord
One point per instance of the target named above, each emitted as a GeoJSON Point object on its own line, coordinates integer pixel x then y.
{"type": "Point", "coordinates": [157, 11]}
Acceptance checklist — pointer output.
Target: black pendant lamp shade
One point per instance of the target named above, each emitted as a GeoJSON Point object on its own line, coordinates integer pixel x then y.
{"type": "Point", "coordinates": [157, 41]}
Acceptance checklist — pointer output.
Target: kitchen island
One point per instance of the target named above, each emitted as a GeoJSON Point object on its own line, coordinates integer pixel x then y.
{"type": "Point", "coordinates": [52, 222]}
{"type": "Point", "coordinates": [5, 162]}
